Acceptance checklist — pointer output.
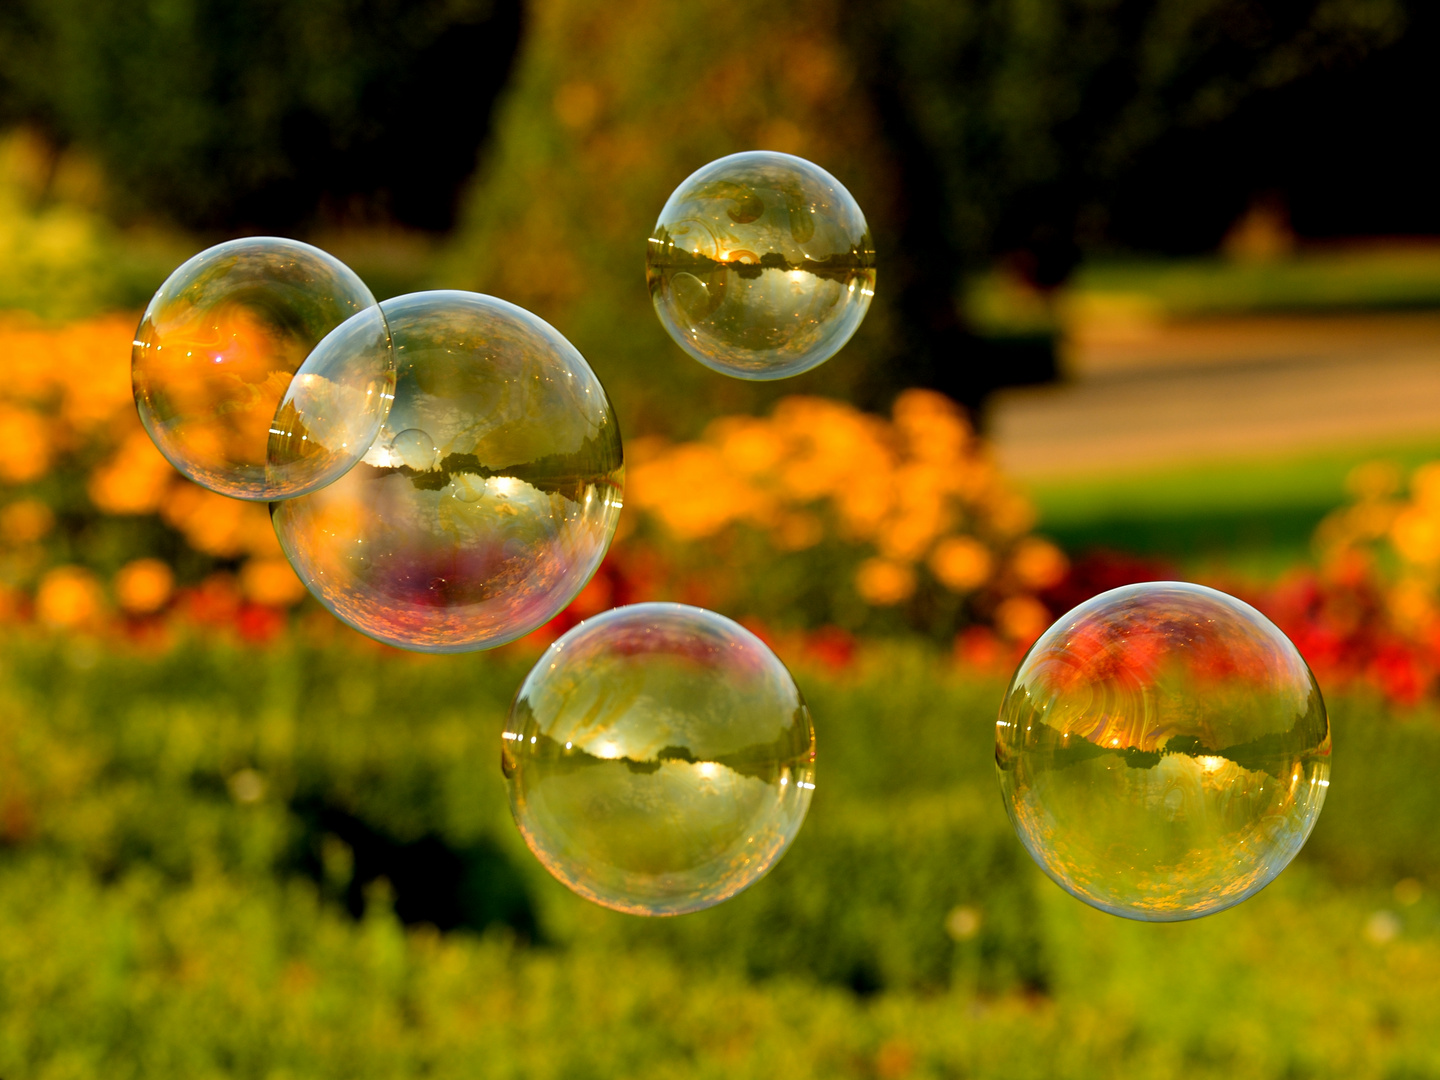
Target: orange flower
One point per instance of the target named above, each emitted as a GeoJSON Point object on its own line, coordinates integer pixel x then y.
{"type": "Point", "coordinates": [897, 487]}
{"type": "Point", "coordinates": [1021, 618]}
{"type": "Point", "coordinates": [218, 526]}
{"type": "Point", "coordinates": [797, 531]}
{"type": "Point", "coordinates": [85, 365]}
{"type": "Point", "coordinates": [691, 490]}
{"type": "Point", "coordinates": [144, 586]}
{"type": "Point", "coordinates": [135, 480]}
{"type": "Point", "coordinates": [1416, 534]}
{"type": "Point", "coordinates": [1425, 485]}
{"type": "Point", "coordinates": [69, 598]}
{"type": "Point", "coordinates": [1037, 563]}
{"type": "Point", "coordinates": [961, 563]}
{"type": "Point", "coordinates": [223, 371]}
{"type": "Point", "coordinates": [26, 521]}
{"type": "Point", "coordinates": [25, 445]}
{"type": "Point", "coordinates": [885, 583]}
{"type": "Point", "coordinates": [749, 446]}
{"type": "Point", "coordinates": [933, 427]}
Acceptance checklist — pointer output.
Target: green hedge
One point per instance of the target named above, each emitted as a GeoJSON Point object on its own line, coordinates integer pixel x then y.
{"type": "Point", "coordinates": [141, 763]}
{"type": "Point", "coordinates": [174, 889]}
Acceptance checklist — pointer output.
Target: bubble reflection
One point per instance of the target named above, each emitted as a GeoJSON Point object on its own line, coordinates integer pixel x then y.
{"type": "Point", "coordinates": [214, 355]}
{"type": "Point", "coordinates": [761, 265]}
{"type": "Point", "coordinates": [489, 496]}
{"type": "Point", "coordinates": [659, 758]}
{"type": "Point", "coordinates": [1163, 751]}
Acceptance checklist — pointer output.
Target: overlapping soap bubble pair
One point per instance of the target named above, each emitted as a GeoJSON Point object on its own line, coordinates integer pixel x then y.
{"type": "Point", "coordinates": [445, 473]}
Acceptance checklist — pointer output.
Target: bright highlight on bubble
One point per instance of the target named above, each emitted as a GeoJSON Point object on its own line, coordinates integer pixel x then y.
{"type": "Point", "coordinates": [659, 759]}
{"type": "Point", "coordinates": [490, 494]}
{"type": "Point", "coordinates": [761, 265]}
{"type": "Point", "coordinates": [214, 355]}
{"type": "Point", "coordinates": [1163, 751]}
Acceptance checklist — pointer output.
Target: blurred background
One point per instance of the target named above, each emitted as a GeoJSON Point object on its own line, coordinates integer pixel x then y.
{"type": "Point", "coordinates": [1159, 296]}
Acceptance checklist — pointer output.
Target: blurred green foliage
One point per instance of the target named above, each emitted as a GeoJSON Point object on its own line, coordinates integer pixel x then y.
{"type": "Point", "coordinates": [169, 905]}
{"type": "Point", "coordinates": [225, 113]}
{"type": "Point", "coordinates": [60, 255]}
{"type": "Point", "coordinates": [968, 132]}
{"type": "Point", "coordinates": [1032, 117]}
{"type": "Point", "coordinates": [1039, 133]}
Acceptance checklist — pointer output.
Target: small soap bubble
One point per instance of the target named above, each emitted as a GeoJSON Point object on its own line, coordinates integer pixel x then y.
{"type": "Point", "coordinates": [659, 759]}
{"type": "Point", "coordinates": [489, 496]}
{"type": "Point", "coordinates": [214, 357]}
{"type": "Point", "coordinates": [416, 450]}
{"type": "Point", "coordinates": [1163, 751]}
{"type": "Point", "coordinates": [761, 265]}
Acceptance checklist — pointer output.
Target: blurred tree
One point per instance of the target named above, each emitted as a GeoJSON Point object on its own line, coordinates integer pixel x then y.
{"type": "Point", "coordinates": [610, 109]}
{"type": "Point", "coordinates": [1030, 131]}
{"type": "Point", "coordinates": [265, 113]}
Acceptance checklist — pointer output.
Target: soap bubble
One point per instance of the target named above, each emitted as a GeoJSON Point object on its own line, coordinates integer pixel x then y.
{"type": "Point", "coordinates": [660, 759]}
{"type": "Point", "coordinates": [489, 496]}
{"type": "Point", "coordinates": [213, 360]}
{"type": "Point", "coordinates": [761, 265]}
{"type": "Point", "coordinates": [1163, 751]}
{"type": "Point", "coordinates": [335, 405]}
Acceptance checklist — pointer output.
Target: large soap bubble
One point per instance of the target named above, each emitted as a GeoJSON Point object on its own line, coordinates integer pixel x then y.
{"type": "Point", "coordinates": [660, 759]}
{"type": "Point", "coordinates": [215, 352]}
{"type": "Point", "coordinates": [490, 495]}
{"type": "Point", "coordinates": [761, 265]}
{"type": "Point", "coordinates": [1163, 751]}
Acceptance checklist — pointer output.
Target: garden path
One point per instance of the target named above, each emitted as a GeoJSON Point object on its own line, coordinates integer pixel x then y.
{"type": "Point", "coordinates": [1140, 395]}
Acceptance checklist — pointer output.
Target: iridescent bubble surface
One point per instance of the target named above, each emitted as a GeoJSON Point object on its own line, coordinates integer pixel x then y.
{"type": "Point", "coordinates": [215, 352]}
{"type": "Point", "coordinates": [761, 265]}
{"type": "Point", "coordinates": [489, 496]}
{"type": "Point", "coordinates": [335, 405]}
{"type": "Point", "coordinates": [1163, 751]}
{"type": "Point", "coordinates": [659, 758]}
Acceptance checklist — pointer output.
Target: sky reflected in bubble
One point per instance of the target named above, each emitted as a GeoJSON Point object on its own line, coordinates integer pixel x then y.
{"type": "Point", "coordinates": [761, 265]}
{"type": "Point", "coordinates": [659, 759]}
{"type": "Point", "coordinates": [489, 496]}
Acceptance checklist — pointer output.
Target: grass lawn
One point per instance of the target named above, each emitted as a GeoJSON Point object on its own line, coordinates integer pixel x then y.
{"type": "Point", "coordinates": [1380, 276]}
{"type": "Point", "coordinates": [1248, 518]}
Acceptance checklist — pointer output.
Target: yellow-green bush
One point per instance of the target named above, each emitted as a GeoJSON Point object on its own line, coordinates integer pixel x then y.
{"type": "Point", "coordinates": [171, 904]}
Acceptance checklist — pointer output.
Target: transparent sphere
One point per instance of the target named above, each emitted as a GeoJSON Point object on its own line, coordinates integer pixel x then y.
{"type": "Point", "coordinates": [660, 759]}
{"type": "Point", "coordinates": [1163, 751]}
{"type": "Point", "coordinates": [490, 494]}
{"type": "Point", "coordinates": [334, 406]}
{"type": "Point", "coordinates": [214, 355]}
{"type": "Point", "coordinates": [761, 265]}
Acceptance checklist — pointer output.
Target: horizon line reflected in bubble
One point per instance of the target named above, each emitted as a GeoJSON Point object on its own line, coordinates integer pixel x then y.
{"type": "Point", "coordinates": [490, 495]}
{"type": "Point", "coordinates": [659, 759]}
{"type": "Point", "coordinates": [761, 265]}
{"type": "Point", "coordinates": [1163, 751]}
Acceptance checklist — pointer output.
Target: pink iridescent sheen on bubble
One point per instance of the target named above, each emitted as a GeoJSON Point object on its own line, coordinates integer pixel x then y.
{"type": "Point", "coordinates": [490, 495]}
{"type": "Point", "coordinates": [659, 758]}
{"type": "Point", "coordinates": [1163, 751]}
